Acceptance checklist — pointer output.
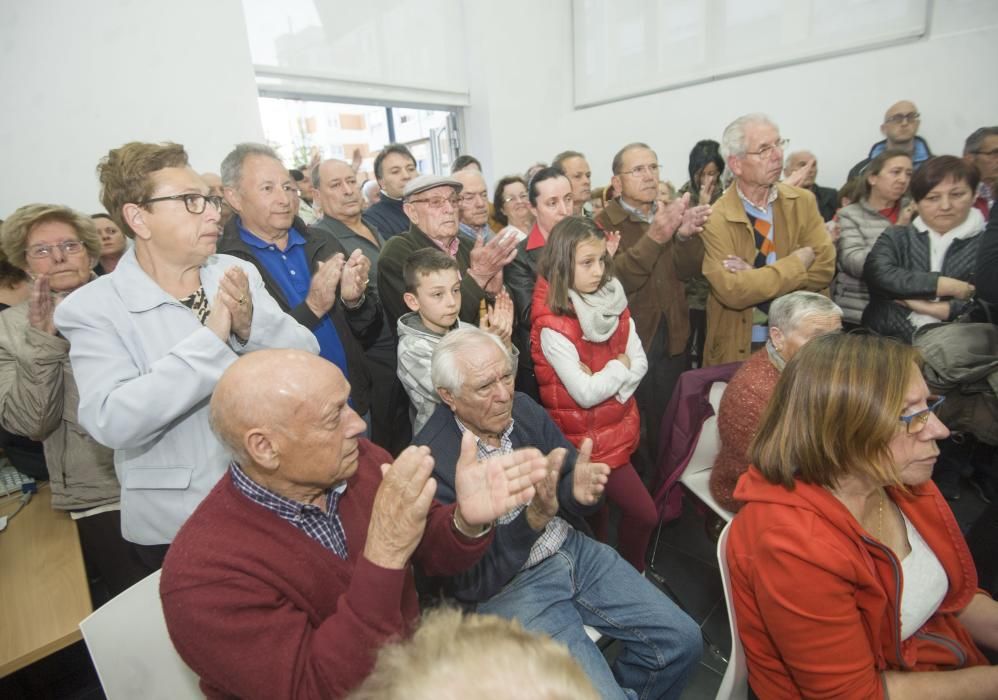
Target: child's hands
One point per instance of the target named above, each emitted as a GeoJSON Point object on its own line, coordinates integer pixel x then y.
{"type": "Point", "coordinates": [625, 360]}
{"type": "Point", "coordinates": [499, 319]}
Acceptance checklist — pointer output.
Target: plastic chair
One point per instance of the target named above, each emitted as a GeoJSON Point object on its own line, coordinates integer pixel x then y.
{"type": "Point", "coordinates": [131, 648]}
{"type": "Point", "coordinates": [696, 476]}
{"type": "Point", "coordinates": [734, 684]}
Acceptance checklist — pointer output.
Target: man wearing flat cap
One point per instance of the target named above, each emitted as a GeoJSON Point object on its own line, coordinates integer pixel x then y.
{"type": "Point", "coordinates": [431, 203]}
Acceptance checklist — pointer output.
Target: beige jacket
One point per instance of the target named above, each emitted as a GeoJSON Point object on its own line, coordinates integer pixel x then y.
{"type": "Point", "coordinates": [38, 399]}
{"type": "Point", "coordinates": [734, 295]}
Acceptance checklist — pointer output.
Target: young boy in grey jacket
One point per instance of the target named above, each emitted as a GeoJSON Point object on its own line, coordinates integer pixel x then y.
{"type": "Point", "coordinates": [433, 293]}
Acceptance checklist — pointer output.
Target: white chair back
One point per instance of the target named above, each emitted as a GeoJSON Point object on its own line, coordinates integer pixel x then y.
{"type": "Point", "coordinates": [734, 685]}
{"type": "Point", "coordinates": [131, 648]}
{"type": "Point", "coordinates": [696, 476]}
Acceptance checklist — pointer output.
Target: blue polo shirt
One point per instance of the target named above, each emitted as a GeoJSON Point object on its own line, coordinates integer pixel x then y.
{"type": "Point", "coordinates": [289, 269]}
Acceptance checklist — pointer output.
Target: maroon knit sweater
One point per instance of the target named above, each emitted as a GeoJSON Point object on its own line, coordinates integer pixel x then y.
{"type": "Point", "coordinates": [260, 610]}
{"type": "Point", "coordinates": [738, 417]}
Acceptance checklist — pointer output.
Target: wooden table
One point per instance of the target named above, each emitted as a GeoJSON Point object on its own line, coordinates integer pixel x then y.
{"type": "Point", "coordinates": [43, 586]}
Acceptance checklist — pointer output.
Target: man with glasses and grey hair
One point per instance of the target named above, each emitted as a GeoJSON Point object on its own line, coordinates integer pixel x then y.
{"type": "Point", "coordinates": [764, 239]}
{"type": "Point", "coordinates": [900, 130]}
{"type": "Point", "coordinates": [432, 204]}
{"type": "Point", "coordinates": [659, 250]}
{"type": "Point", "coordinates": [981, 149]}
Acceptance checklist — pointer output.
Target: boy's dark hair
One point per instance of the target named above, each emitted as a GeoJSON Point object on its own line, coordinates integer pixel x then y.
{"type": "Point", "coordinates": [423, 262]}
{"type": "Point", "coordinates": [557, 263]}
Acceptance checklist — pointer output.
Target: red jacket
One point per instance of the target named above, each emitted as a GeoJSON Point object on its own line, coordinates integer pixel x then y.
{"type": "Point", "coordinates": [613, 426]}
{"type": "Point", "coordinates": [817, 598]}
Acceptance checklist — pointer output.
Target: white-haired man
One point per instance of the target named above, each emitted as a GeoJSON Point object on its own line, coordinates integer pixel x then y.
{"type": "Point", "coordinates": [540, 569]}
{"type": "Point", "coordinates": [764, 239]}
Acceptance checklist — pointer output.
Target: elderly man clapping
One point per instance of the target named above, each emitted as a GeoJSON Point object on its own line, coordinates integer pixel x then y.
{"type": "Point", "coordinates": [296, 568]}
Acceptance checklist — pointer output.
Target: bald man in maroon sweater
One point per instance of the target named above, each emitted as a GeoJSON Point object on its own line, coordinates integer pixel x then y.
{"type": "Point", "coordinates": [297, 567]}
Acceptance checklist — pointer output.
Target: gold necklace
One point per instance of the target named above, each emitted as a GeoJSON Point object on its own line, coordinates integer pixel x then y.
{"type": "Point", "coordinates": [880, 517]}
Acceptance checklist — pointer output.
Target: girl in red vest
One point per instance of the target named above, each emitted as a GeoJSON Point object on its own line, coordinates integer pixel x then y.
{"type": "Point", "coordinates": [588, 359]}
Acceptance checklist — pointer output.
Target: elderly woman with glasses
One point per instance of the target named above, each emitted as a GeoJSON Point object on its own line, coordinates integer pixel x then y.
{"type": "Point", "coordinates": [794, 320]}
{"type": "Point", "coordinates": [511, 204]}
{"type": "Point", "coordinates": [149, 341]}
{"type": "Point", "coordinates": [850, 576]}
{"type": "Point", "coordinates": [58, 248]}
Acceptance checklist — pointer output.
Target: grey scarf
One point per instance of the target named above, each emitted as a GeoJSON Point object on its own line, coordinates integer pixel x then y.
{"type": "Point", "coordinates": [599, 312]}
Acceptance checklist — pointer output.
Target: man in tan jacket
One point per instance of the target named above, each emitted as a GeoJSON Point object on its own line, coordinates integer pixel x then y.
{"type": "Point", "coordinates": [764, 239]}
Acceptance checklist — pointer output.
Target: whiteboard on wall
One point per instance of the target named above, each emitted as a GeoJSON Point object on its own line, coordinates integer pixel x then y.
{"type": "Point", "coordinates": [626, 48]}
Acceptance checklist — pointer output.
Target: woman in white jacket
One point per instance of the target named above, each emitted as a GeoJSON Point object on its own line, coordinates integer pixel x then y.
{"type": "Point", "coordinates": [149, 341]}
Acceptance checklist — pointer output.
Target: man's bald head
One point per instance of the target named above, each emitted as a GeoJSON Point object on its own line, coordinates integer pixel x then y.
{"type": "Point", "coordinates": [286, 416]}
{"type": "Point", "coordinates": [901, 121]}
{"type": "Point", "coordinates": [262, 389]}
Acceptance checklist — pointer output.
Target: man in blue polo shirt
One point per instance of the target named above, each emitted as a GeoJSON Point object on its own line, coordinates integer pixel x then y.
{"type": "Point", "coordinates": [305, 270]}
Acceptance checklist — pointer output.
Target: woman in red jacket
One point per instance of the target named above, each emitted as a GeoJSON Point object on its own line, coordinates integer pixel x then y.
{"type": "Point", "coordinates": [850, 576]}
{"type": "Point", "coordinates": [589, 360]}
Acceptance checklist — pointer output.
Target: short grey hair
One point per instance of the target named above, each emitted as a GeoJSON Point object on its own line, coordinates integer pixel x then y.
{"type": "Point", "coordinates": [447, 368]}
{"type": "Point", "coordinates": [792, 156]}
{"type": "Point", "coordinates": [733, 139]}
{"type": "Point", "coordinates": [367, 187]}
{"type": "Point", "coordinates": [787, 311]}
{"type": "Point", "coordinates": [232, 165]}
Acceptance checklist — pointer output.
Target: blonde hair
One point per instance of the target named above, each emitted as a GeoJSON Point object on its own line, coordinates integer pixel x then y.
{"type": "Point", "coordinates": [454, 657]}
{"type": "Point", "coordinates": [124, 175]}
{"type": "Point", "coordinates": [834, 412]}
{"type": "Point", "coordinates": [17, 228]}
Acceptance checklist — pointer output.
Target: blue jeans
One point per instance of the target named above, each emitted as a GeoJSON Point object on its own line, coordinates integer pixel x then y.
{"type": "Point", "coordinates": [588, 583]}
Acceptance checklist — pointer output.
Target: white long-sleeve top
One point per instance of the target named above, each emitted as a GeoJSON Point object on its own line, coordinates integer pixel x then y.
{"type": "Point", "coordinates": [587, 390]}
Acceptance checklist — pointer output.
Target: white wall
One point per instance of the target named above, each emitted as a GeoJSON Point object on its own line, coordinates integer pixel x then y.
{"type": "Point", "coordinates": [80, 78]}
{"type": "Point", "coordinates": [521, 111]}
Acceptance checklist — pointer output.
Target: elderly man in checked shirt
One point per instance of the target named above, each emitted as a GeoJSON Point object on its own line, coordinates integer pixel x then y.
{"type": "Point", "coordinates": [540, 568]}
{"type": "Point", "coordinates": [297, 566]}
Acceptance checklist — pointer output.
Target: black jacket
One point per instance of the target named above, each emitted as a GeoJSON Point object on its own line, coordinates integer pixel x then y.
{"type": "Point", "coordinates": [898, 268]}
{"type": "Point", "coordinates": [509, 550]}
{"type": "Point", "coordinates": [987, 261]}
{"type": "Point", "coordinates": [357, 328]}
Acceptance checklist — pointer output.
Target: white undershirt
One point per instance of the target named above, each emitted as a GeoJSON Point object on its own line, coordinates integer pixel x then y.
{"type": "Point", "coordinates": [589, 390]}
{"type": "Point", "coordinates": [925, 583]}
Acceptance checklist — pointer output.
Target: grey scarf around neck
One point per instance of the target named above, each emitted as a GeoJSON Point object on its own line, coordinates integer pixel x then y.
{"type": "Point", "coordinates": [599, 312]}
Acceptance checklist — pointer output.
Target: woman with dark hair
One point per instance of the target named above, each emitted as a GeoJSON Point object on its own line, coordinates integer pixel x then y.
{"type": "Point", "coordinates": [113, 243]}
{"type": "Point", "coordinates": [511, 204]}
{"type": "Point", "coordinates": [704, 187]}
{"type": "Point", "coordinates": [849, 575]}
{"type": "Point", "coordinates": [922, 273]}
{"type": "Point", "coordinates": [883, 203]}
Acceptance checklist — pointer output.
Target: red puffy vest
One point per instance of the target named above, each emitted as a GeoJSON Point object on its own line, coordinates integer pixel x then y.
{"type": "Point", "coordinates": [613, 426]}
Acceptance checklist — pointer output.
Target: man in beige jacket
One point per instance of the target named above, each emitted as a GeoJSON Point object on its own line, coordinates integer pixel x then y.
{"type": "Point", "coordinates": [764, 239]}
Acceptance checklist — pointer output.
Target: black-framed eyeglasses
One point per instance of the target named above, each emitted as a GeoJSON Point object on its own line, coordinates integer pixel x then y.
{"type": "Point", "coordinates": [902, 118]}
{"type": "Point", "coordinates": [194, 202]}
{"type": "Point", "coordinates": [44, 250]}
{"type": "Point", "coordinates": [768, 149]}
{"type": "Point", "coordinates": [918, 420]}
{"type": "Point", "coordinates": [437, 202]}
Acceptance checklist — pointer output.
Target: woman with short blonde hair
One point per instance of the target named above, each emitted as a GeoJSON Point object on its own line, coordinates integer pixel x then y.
{"type": "Point", "coordinates": [849, 573]}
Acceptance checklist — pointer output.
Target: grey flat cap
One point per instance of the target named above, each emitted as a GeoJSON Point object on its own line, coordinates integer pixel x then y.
{"type": "Point", "coordinates": [428, 182]}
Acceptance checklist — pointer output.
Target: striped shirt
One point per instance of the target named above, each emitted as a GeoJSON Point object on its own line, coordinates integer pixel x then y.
{"type": "Point", "coordinates": [323, 527]}
{"type": "Point", "coordinates": [557, 528]}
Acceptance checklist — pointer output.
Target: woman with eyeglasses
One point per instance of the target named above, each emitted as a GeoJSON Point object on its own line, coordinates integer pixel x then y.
{"type": "Point", "coordinates": [58, 248]}
{"type": "Point", "coordinates": [511, 205]}
{"type": "Point", "coordinates": [149, 341]}
{"type": "Point", "coordinates": [849, 574]}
